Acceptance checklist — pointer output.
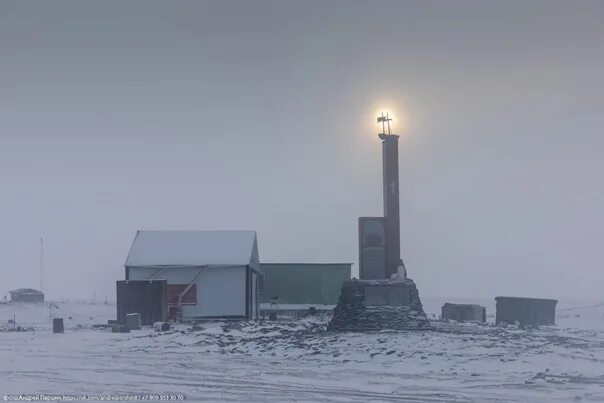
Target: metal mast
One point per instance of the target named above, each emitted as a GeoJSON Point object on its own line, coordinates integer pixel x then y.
{"type": "Point", "coordinates": [41, 261]}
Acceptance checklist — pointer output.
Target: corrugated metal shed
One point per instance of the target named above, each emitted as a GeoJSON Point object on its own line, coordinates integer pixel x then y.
{"type": "Point", "coordinates": [193, 248]}
{"type": "Point", "coordinates": [147, 298]}
{"type": "Point", "coordinates": [304, 283]}
{"type": "Point", "coordinates": [526, 311]}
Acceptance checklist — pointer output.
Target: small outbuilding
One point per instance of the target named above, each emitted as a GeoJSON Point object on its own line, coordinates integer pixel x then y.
{"type": "Point", "coordinates": [526, 311]}
{"type": "Point", "coordinates": [464, 312]}
{"type": "Point", "coordinates": [147, 298]}
{"type": "Point", "coordinates": [209, 274]}
{"type": "Point", "coordinates": [27, 295]}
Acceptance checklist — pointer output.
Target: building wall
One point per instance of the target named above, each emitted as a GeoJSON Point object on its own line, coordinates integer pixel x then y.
{"type": "Point", "coordinates": [27, 297]}
{"type": "Point", "coordinates": [372, 248]}
{"type": "Point", "coordinates": [221, 291]}
{"type": "Point", "coordinates": [304, 283]}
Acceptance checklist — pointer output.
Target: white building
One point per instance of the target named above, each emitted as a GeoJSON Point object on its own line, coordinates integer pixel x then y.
{"type": "Point", "coordinates": [210, 274]}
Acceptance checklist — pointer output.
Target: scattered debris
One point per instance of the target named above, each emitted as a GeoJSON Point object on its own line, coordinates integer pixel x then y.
{"type": "Point", "coordinates": [120, 329]}
{"type": "Point", "coordinates": [163, 326]}
{"type": "Point", "coordinates": [102, 326]}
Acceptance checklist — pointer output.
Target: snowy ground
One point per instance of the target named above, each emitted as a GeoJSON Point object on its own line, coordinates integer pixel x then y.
{"type": "Point", "coordinates": [300, 361]}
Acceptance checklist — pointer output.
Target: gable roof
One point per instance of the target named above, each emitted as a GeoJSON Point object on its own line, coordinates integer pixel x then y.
{"type": "Point", "coordinates": [193, 248]}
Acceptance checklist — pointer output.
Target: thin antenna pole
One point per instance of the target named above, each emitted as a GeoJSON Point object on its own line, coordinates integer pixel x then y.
{"type": "Point", "coordinates": [383, 124]}
{"type": "Point", "coordinates": [388, 120]}
{"type": "Point", "coordinates": [41, 261]}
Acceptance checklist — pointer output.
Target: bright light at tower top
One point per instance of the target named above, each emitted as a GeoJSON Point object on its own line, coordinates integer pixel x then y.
{"type": "Point", "coordinates": [384, 120]}
{"type": "Point", "coordinates": [394, 110]}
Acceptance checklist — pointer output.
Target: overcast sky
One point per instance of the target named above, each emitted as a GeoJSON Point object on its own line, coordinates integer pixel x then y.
{"type": "Point", "coordinates": [126, 115]}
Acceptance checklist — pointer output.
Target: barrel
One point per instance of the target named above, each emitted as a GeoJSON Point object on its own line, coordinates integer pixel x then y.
{"type": "Point", "coordinates": [57, 325]}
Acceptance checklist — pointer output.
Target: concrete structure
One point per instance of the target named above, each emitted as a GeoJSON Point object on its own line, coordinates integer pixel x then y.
{"type": "Point", "coordinates": [26, 295]}
{"type": "Point", "coordinates": [464, 313]}
{"type": "Point", "coordinates": [210, 274]}
{"type": "Point", "coordinates": [391, 202]}
{"type": "Point", "coordinates": [303, 283]}
{"type": "Point", "coordinates": [525, 311]}
{"type": "Point", "coordinates": [380, 237]}
{"type": "Point", "coordinates": [372, 247]}
{"type": "Point", "coordinates": [384, 298]}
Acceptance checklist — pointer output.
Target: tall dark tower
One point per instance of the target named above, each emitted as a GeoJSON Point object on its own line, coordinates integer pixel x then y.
{"type": "Point", "coordinates": [379, 237]}
{"type": "Point", "coordinates": [391, 201]}
{"type": "Point", "coordinates": [391, 196]}
{"type": "Point", "coordinates": [383, 297]}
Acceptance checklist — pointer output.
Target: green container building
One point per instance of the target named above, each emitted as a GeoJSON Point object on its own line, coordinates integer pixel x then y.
{"type": "Point", "coordinates": [304, 283]}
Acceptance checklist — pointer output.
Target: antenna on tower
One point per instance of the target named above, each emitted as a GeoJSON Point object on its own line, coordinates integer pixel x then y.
{"type": "Point", "coordinates": [385, 121]}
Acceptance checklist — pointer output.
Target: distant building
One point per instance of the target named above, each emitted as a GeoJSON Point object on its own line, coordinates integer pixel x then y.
{"type": "Point", "coordinates": [304, 283]}
{"type": "Point", "coordinates": [526, 311]}
{"type": "Point", "coordinates": [464, 312]}
{"type": "Point", "coordinates": [26, 295]}
{"type": "Point", "coordinates": [209, 274]}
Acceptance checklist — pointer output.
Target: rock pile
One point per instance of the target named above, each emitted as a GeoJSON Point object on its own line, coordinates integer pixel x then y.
{"type": "Point", "coordinates": [352, 313]}
{"type": "Point", "coordinates": [120, 329]}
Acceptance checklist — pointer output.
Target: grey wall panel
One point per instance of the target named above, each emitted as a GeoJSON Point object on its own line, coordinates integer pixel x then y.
{"type": "Point", "coordinates": [372, 248]}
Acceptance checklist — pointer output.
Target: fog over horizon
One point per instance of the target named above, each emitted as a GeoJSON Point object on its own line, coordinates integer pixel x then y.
{"type": "Point", "coordinates": [123, 116]}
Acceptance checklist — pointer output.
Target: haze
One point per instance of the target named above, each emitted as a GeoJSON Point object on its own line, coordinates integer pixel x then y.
{"type": "Point", "coordinates": [119, 116]}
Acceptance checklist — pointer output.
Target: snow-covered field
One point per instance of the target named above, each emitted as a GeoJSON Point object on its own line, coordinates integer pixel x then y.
{"type": "Point", "coordinates": [300, 361]}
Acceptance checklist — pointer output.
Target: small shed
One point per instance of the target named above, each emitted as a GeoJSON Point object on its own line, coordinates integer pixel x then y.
{"type": "Point", "coordinates": [209, 274]}
{"type": "Point", "coordinates": [26, 295]}
{"type": "Point", "coordinates": [526, 311]}
{"type": "Point", "coordinates": [147, 298]}
{"type": "Point", "coordinates": [304, 283]}
{"type": "Point", "coordinates": [464, 312]}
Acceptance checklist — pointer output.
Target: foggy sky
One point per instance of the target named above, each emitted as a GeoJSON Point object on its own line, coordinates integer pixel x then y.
{"type": "Point", "coordinates": [120, 116]}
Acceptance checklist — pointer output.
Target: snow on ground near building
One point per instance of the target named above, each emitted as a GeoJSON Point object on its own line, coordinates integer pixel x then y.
{"type": "Point", "coordinates": [300, 361]}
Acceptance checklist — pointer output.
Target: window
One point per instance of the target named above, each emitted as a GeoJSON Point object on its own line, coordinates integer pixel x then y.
{"type": "Point", "coordinates": [174, 290]}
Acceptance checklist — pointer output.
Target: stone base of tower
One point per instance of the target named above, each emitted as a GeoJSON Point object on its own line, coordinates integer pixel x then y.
{"type": "Point", "coordinates": [366, 305]}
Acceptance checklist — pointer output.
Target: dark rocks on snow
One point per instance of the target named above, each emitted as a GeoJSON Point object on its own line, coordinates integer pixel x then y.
{"type": "Point", "coordinates": [120, 329]}
{"type": "Point", "coordinates": [353, 314]}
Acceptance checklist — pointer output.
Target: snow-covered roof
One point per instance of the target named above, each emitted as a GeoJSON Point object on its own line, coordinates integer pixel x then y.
{"type": "Point", "coordinates": [194, 248]}
{"type": "Point", "coordinates": [523, 299]}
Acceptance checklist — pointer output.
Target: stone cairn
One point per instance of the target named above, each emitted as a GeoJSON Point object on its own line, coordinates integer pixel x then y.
{"type": "Point", "coordinates": [353, 314]}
